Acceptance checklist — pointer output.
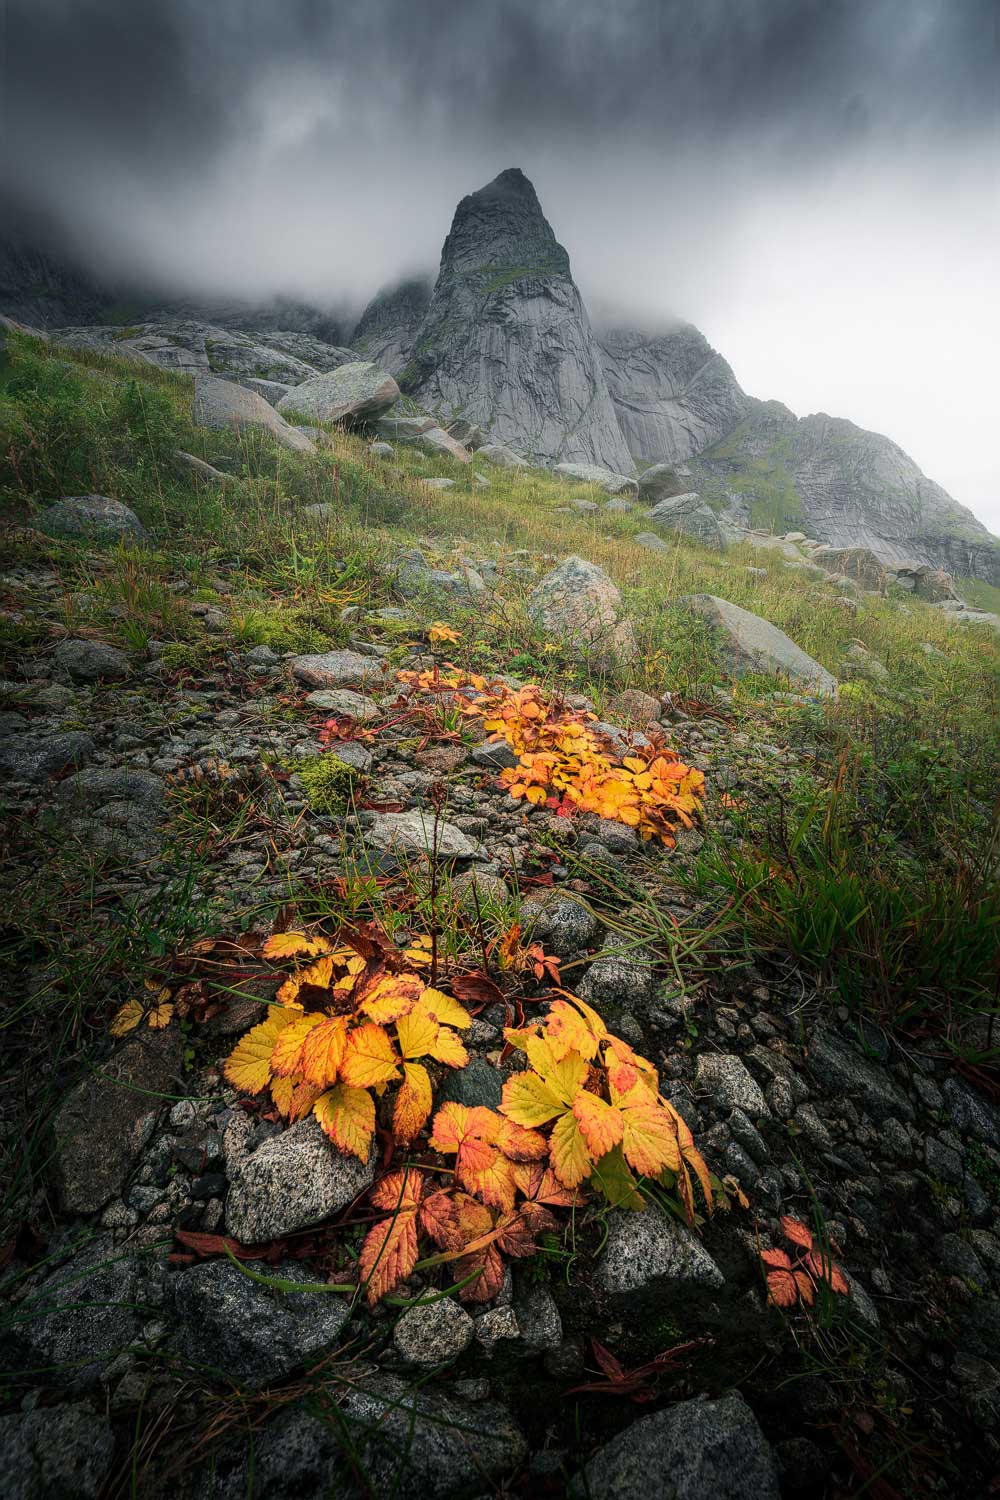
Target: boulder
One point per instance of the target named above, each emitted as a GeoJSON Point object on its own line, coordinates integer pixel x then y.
{"type": "Point", "coordinates": [746, 643]}
{"type": "Point", "coordinates": [401, 429]}
{"type": "Point", "coordinates": [222, 403]}
{"type": "Point", "coordinates": [857, 563]}
{"type": "Point", "coordinates": [435, 440]}
{"type": "Point", "coordinates": [351, 393]}
{"type": "Point", "coordinates": [580, 604]}
{"type": "Point", "coordinates": [860, 662]}
{"type": "Point", "coordinates": [695, 1450]}
{"type": "Point", "coordinates": [502, 457]}
{"type": "Point", "coordinates": [95, 517]}
{"type": "Point", "coordinates": [651, 541]}
{"type": "Point", "coordinates": [11, 325]}
{"type": "Point", "coordinates": [116, 808]}
{"type": "Point", "coordinates": [925, 582]}
{"type": "Point", "coordinates": [292, 1181]}
{"type": "Point", "coordinates": [84, 1315]}
{"type": "Point", "coordinates": [35, 757]}
{"type": "Point", "coordinates": [271, 390]}
{"type": "Point", "coordinates": [102, 1124]}
{"type": "Point", "coordinates": [251, 1334]}
{"type": "Point", "coordinates": [434, 1334]}
{"type": "Point", "coordinates": [689, 514]}
{"type": "Point", "coordinates": [203, 470]}
{"type": "Point", "coordinates": [845, 1071]}
{"type": "Point", "coordinates": [610, 483]}
{"type": "Point", "coordinates": [725, 1078]}
{"type": "Point", "coordinates": [659, 482]}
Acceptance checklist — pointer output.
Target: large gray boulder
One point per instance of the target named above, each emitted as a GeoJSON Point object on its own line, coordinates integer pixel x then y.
{"type": "Point", "coordinates": [690, 515]}
{"type": "Point", "coordinates": [95, 517]}
{"type": "Point", "coordinates": [506, 342]}
{"type": "Point", "coordinates": [581, 605]}
{"type": "Point", "coordinates": [294, 1180]}
{"type": "Point", "coordinates": [221, 404]}
{"type": "Point", "coordinates": [414, 832]}
{"type": "Point", "coordinates": [696, 1450]}
{"type": "Point", "coordinates": [351, 393]}
{"type": "Point", "coordinates": [857, 563]}
{"type": "Point", "coordinates": [646, 1252]}
{"type": "Point", "coordinates": [610, 483]}
{"type": "Point", "coordinates": [84, 1314]}
{"type": "Point", "coordinates": [659, 482]}
{"type": "Point", "coordinates": [674, 396]}
{"type": "Point", "coordinates": [746, 643]}
{"type": "Point", "coordinates": [502, 457]}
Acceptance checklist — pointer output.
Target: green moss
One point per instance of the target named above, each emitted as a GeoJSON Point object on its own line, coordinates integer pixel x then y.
{"type": "Point", "coordinates": [184, 656]}
{"type": "Point", "coordinates": [302, 627]}
{"type": "Point", "coordinates": [329, 783]}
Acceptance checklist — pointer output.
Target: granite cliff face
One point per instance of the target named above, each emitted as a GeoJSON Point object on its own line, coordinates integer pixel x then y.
{"type": "Point", "coordinates": [673, 394]}
{"type": "Point", "coordinates": [506, 341]}
{"type": "Point", "coordinates": [41, 291]}
{"type": "Point", "coordinates": [388, 326]}
{"type": "Point", "coordinates": [843, 485]}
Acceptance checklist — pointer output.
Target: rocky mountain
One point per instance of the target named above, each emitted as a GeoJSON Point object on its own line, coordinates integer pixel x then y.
{"type": "Point", "coordinates": [673, 394]}
{"type": "Point", "coordinates": [506, 341]}
{"type": "Point", "coordinates": [844, 485]}
{"type": "Point", "coordinates": [388, 326]}
{"type": "Point", "coordinates": [42, 291]}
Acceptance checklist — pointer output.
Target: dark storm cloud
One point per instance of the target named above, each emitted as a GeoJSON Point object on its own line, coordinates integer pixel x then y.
{"type": "Point", "coordinates": [112, 102]}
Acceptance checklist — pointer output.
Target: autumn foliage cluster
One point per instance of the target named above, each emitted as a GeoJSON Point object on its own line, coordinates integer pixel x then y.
{"type": "Point", "coordinates": [565, 764]}
{"type": "Point", "coordinates": [354, 1023]}
{"type": "Point", "coordinates": [795, 1278]}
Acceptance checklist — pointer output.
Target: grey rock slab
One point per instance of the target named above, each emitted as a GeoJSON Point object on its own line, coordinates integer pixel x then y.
{"type": "Point", "coordinates": [252, 1333]}
{"type": "Point", "coordinates": [95, 517]}
{"type": "Point", "coordinates": [422, 1445]}
{"type": "Point", "coordinates": [609, 482]}
{"type": "Point", "coordinates": [63, 1451]}
{"type": "Point", "coordinates": [435, 1334]}
{"type": "Point", "coordinates": [337, 669]}
{"type": "Point", "coordinates": [695, 1450]}
{"type": "Point", "coordinates": [292, 1181]}
{"type": "Point", "coordinates": [99, 1128]}
{"type": "Point", "coordinates": [85, 1314]}
{"type": "Point", "coordinates": [971, 1113]}
{"type": "Point", "coordinates": [502, 457]}
{"type": "Point", "coordinates": [494, 756]}
{"type": "Point", "coordinates": [203, 470]}
{"type": "Point", "coordinates": [647, 1252]}
{"type": "Point", "coordinates": [221, 404]}
{"type": "Point", "coordinates": [537, 1315]}
{"type": "Point", "coordinates": [35, 757]}
{"type": "Point", "coordinates": [90, 661]}
{"type": "Point", "coordinates": [581, 605]}
{"type": "Point", "coordinates": [689, 514]}
{"type": "Point", "coordinates": [651, 542]}
{"type": "Point", "coordinates": [342, 701]}
{"type": "Point", "coordinates": [479, 1082]}
{"type": "Point", "coordinates": [844, 1070]}
{"type": "Point", "coordinates": [619, 979]}
{"type": "Point", "coordinates": [414, 832]}
{"type": "Point", "coordinates": [438, 484]}
{"type": "Point", "coordinates": [564, 926]}
{"type": "Point", "coordinates": [747, 643]}
{"type": "Point", "coordinates": [725, 1078]}
{"type": "Point", "coordinates": [351, 393]}
{"type": "Point", "coordinates": [271, 390]}
{"type": "Point", "coordinates": [435, 440]}
{"type": "Point", "coordinates": [115, 807]}
{"type": "Point", "coordinates": [297, 1456]}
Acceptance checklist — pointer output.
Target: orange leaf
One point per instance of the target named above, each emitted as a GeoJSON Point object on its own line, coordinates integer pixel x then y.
{"type": "Point", "coordinates": [323, 1051]}
{"type": "Point", "coordinates": [520, 1145]}
{"type": "Point", "coordinates": [398, 1190]}
{"type": "Point", "coordinates": [782, 1289]}
{"type": "Point", "coordinates": [825, 1269]}
{"type": "Point", "coordinates": [806, 1289]}
{"type": "Point", "coordinates": [388, 1254]}
{"type": "Point", "coordinates": [392, 996]}
{"type": "Point", "coordinates": [369, 1058]}
{"type": "Point", "coordinates": [489, 1280]}
{"type": "Point", "coordinates": [796, 1231]}
{"type": "Point", "coordinates": [601, 1124]}
{"type": "Point", "coordinates": [776, 1258]}
{"type": "Point", "coordinates": [286, 1057]}
{"type": "Point", "coordinates": [649, 1136]}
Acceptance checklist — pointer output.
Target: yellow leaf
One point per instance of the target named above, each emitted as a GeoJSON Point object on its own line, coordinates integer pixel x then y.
{"type": "Point", "coordinates": [160, 1016]}
{"type": "Point", "coordinates": [417, 1034]}
{"type": "Point", "coordinates": [391, 996]}
{"type": "Point", "coordinates": [348, 1116]}
{"type": "Point", "coordinates": [413, 1103]}
{"type": "Point", "coordinates": [388, 1254]}
{"type": "Point", "coordinates": [649, 1138]}
{"type": "Point", "coordinates": [323, 1051]}
{"type": "Point", "coordinates": [568, 1152]}
{"type": "Point", "coordinates": [564, 1075]}
{"type": "Point", "coordinates": [440, 633]}
{"type": "Point", "coordinates": [447, 1048]}
{"type": "Point", "coordinates": [291, 944]}
{"type": "Point", "coordinates": [443, 1008]}
{"type": "Point", "coordinates": [248, 1066]}
{"type": "Point", "coordinates": [528, 1100]}
{"type": "Point", "coordinates": [568, 1031]}
{"type": "Point", "coordinates": [286, 1056]}
{"type": "Point", "coordinates": [127, 1018]}
{"type": "Point", "coordinates": [368, 1058]}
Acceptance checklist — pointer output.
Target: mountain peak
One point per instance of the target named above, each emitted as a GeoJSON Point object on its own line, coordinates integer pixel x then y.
{"type": "Point", "coordinates": [508, 186]}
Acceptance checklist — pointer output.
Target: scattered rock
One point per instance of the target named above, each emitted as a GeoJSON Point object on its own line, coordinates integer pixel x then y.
{"type": "Point", "coordinates": [845, 1071]}
{"type": "Point", "coordinates": [116, 808]}
{"type": "Point", "coordinates": [92, 516]}
{"type": "Point", "coordinates": [336, 669]}
{"type": "Point", "coordinates": [479, 1082]}
{"type": "Point", "coordinates": [695, 1450]}
{"type": "Point", "coordinates": [435, 1334]}
{"type": "Point", "coordinates": [562, 925]}
{"type": "Point", "coordinates": [292, 1181]}
{"type": "Point", "coordinates": [414, 832]}
{"type": "Point", "coordinates": [201, 468]}
{"type": "Point", "coordinates": [689, 514]}
{"type": "Point", "coordinates": [537, 1315]}
{"type": "Point", "coordinates": [857, 563]}
{"type": "Point", "coordinates": [342, 702]}
{"type": "Point", "coordinates": [85, 1314]}
{"type": "Point", "coordinates": [502, 457]}
{"type": "Point", "coordinates": [727, 1081]}
{"type": "Point", "coordinates": [35, 757]}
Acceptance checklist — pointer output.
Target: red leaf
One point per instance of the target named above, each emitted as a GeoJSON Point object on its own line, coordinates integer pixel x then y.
{"type": "Point", "coordinates": [218, 1244]}
{"type": "Point", "coordinates": [776, 1258]}
{"type": "Point", "coordinates": [611, 1366]}
{"type": "Point", "coordinates": [782, 1289]}
{"type": "Point", "coordinates": [796, 1231]}
{"type": "Point", "coordinates": [476, 988]}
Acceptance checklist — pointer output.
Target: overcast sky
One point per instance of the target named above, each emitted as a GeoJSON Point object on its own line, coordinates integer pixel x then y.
{"type": "Point", "coordinates": [816, 185]}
